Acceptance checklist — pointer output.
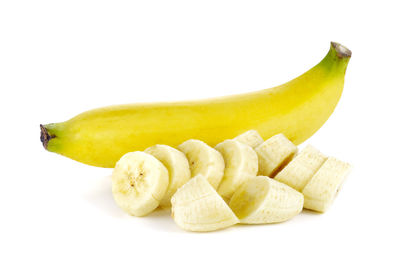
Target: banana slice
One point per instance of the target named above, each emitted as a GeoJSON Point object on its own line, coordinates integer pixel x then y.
{"type": "Point", "coordinates": [177, 166]}
{"type": "Point", "coordinates": [204, 160]}
{"type": "Point", "coordinates": [251, 138]}
{"type": "Point", "coordinates": [139, 182]}
{"type": "Point", "coordinates": [196, 206]}
{"type": "Point", "coordinates": [321, 190]}
{"type": "Point", "coordinates": [300, 170]}
{"type": "Point", "coordinates": [263, 200]}
{"type": "Point", "coordinates": [240, 165]}
{"type": "Point", "coordinates": [274, 154]}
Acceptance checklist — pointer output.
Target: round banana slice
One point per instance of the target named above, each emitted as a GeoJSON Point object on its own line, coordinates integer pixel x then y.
{"type": "Point", "coordinates": [139, 182]}
{"type": "Point", "coordinates": [263, 200]}
{"type": "Point", "coordinates": [197, 207]}
{"type": "Point", "coordinates": [204, 160]}
{"type": "Point", "coordinates": [240, 165]}
{"type": "Point", "coordinates": [274, 154]}
{"type": "Point", "coordinates": [251, 138]}
{"type": "Point", "coordinates": [178, 169]}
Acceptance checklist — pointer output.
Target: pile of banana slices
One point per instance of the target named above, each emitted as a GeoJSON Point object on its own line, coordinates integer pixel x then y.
{"type": "Point", "coordinates": [242, 180]}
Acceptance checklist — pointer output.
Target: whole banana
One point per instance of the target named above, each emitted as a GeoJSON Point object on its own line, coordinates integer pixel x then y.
{"type": "Point", "coordinates": [297, 109]}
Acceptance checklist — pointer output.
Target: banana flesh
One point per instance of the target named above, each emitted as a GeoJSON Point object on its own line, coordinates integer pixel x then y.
{"type": "Point", "coordinates": [263, 200]}
{"type": "Point", "coordinates": [274, 154]}
{"type": "Point", "coordinates": [241, 164]}
{"type": "Point", "coordinates": [164, 176]}
{"type": "Point", "coordinates": [204, 160]}
{"type": "Point", "coordinates": [139, 182]}
{"type": "Point", "coordinates": [321, 190]}
{"type": "Point", "coordinates": [302, 168]}
{"type": "Point", "coordinates": [197, 207]}
{"type": "Point", "coordinates": [177, 166]}
{"type": "Point", "coordinates": [251, 138]}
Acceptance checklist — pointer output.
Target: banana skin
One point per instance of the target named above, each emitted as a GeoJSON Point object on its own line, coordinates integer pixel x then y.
{"type": "Point", "coordinates": [297, 109]}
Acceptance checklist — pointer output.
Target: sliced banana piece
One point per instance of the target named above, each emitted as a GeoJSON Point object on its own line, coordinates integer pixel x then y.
{"type": "Point", "coordinates": [321, 190]}
{"type": "Point", "coordinates": [196, 206]}
{"type": "Point", "coordinates": [251, 138]}
{"type": "Point", "coordinates": [177, 166]}
{"type": "Point", "coordinates": [204, 160]}
{"type": "Point", "coordinates": [300, 170]}
{"type": "Point", "coordinates": [263, 200]}
{"type": "Point", "coordinates": [274, 154]}
{"type": "Point", "coordinates": [241, 164]}
{"type": "Point", "coordinates": [139, 182]}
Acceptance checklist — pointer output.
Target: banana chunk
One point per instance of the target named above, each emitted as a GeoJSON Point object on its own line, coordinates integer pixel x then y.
{"type": "Point", "coordinates": [197, 207]}
{"type": "Point", "coordinates": [204, 160]}
{"type": "Point", "coordinates": [321, 190]}
{"type": "Point", "coordinates": [139, 182]}
{"type": "Point", "coordinates": [300, 170]}
{"type": "Point", "coordinates": [251, 138]}
{"type": "Point", "coordinates": [240, 165]}
{"type": "Point", "coordinates": [263, 200]}
{"type": "Point", "coordinates": [177, 166]}
{"type": "Point", "coordinates": [274, 154]}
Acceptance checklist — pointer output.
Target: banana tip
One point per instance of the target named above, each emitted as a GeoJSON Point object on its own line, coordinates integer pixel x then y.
{"type": "Point", "coordinates": [45, 137]}
{"type": "Point", "coordinates": [341, 50]}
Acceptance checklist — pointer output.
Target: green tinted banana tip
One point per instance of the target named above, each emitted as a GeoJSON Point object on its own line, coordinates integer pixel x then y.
{"type": "Point", "coordinates": [45, 137]}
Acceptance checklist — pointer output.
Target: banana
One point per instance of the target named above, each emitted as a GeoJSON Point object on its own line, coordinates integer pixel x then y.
{"type": "Point", "coordinates": [321, 190]}
{"type": "Point", "coordinates": [297, 109]}
{"type": "Point", "coordinates": [177, 166]}
{"type": "Point", "coordinates": [139, 182]}
{"type": "Point", "coordinates": [197, 207]}
{"type": "Point", "coordinates": [274, 154]}
{"type": "Point", "coordinates": [263, 200]}
{"type": "Point", "coordinates": [300, 170]}
{"type": "Point", "coordinates": [251, 138]}
{"type": "Point", "coordinates": [204, 160]}
{"type": "Point", "coordinates": [240, 164]}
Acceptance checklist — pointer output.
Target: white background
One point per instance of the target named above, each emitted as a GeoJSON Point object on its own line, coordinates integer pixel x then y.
{"type": "Point", "coordinates": [60, 58]}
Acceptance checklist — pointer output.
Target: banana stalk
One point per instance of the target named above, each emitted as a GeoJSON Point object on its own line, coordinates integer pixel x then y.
{"type": "Point", "coordinates": [297, 109]}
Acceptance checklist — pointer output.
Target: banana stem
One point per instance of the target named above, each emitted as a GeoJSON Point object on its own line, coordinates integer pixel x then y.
{"type": "Point", "coordinates": [341, 50]}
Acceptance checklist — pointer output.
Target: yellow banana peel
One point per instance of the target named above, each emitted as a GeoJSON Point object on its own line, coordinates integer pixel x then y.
{"type": "Point", "coordinates": [297, 109]}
